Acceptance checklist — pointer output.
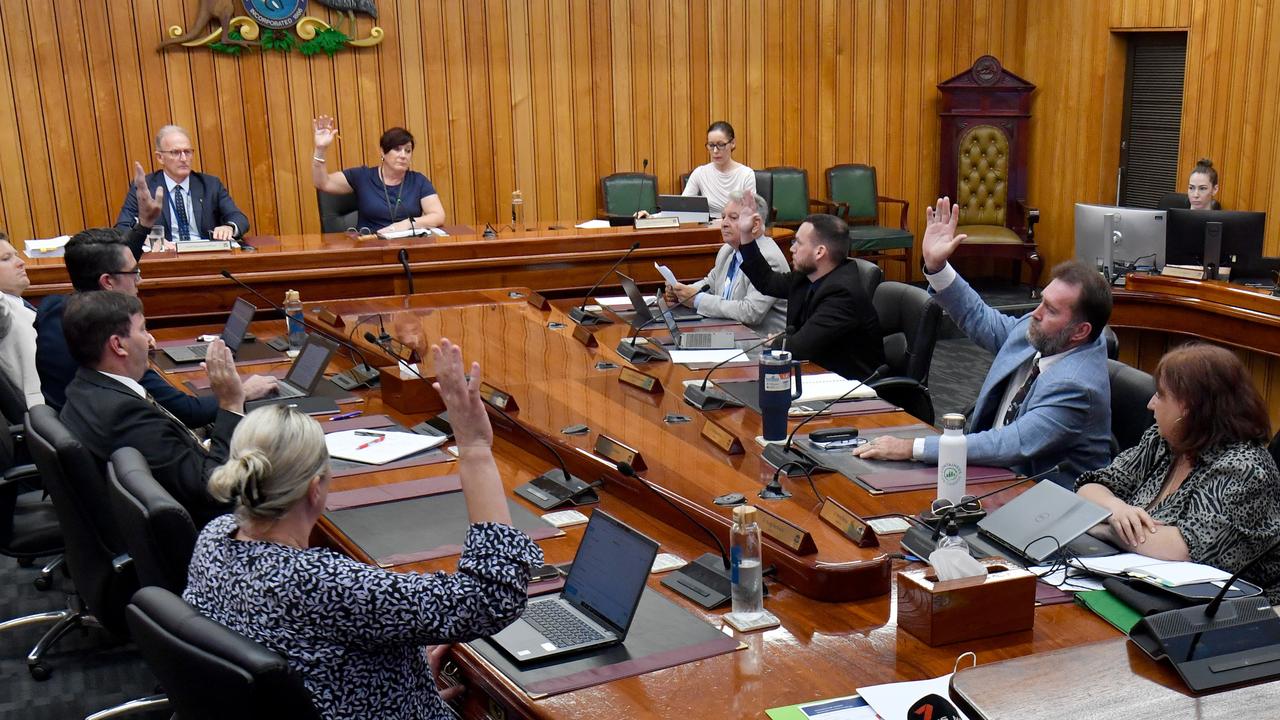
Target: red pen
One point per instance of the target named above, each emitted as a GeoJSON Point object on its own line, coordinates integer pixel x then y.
{"type": "Point", "coordinates": [375, 441]}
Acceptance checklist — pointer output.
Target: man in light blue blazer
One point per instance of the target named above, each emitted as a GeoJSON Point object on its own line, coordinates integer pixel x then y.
{"type": "Point", "coordinates": [1046, 399]}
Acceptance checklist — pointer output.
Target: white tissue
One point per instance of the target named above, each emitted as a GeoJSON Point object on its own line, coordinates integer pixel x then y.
{"type": "Point", "coordinates": [955, 564]}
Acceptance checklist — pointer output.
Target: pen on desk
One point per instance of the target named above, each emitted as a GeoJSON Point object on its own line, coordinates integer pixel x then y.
{"type": "Point", "coordinates": [374, 441]}
{"type": "Point", "coordinates": [348, 416]}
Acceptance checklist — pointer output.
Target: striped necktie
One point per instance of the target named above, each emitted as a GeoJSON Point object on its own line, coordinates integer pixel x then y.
{"type": "Point", "coordinates": [1014, 405]}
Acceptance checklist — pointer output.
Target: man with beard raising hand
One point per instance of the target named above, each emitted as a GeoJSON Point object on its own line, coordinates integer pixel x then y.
{"type": "Point", "coordinates": [1046, 399]}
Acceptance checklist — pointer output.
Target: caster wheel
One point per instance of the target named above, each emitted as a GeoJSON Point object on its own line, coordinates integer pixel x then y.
{"type": "Point", "coordinates": [43, 583]}
{"type": "Point", "coordinates": [40, 671]}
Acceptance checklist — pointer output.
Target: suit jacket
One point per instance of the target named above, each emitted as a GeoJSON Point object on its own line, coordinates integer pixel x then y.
{"type": "Point", "coordinates": [57, 369]}
{"type": "Point", "coordinates": [213, 206]}
{"type": "Point", "coordinates": [838, 329]}
{"type": "Point", "coordinates": [1066, 416]}
{"type": "Point", "coordinates": [106, 416]}
{"type": "Point", "coordinates": [762, 313]}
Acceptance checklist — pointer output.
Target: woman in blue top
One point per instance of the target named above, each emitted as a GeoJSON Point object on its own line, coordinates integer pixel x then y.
{"type": "Point", "coordinates": [390, 197]}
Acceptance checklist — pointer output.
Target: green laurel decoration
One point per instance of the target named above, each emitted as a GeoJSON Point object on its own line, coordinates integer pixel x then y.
{"type": "Point", "coordinates": [281, 42]}
{"type": "Point", "coordinates": [229, 49]}
{"type": "Point", "coordinates": [327, 41]}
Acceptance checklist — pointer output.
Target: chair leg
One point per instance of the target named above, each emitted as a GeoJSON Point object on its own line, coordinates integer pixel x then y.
{"type": "Point", "coordinates": [36, 619]}
{"type": "Point", "coordinates": [150, 703]}
{"type": "Point", "coordinates": [74, 616]}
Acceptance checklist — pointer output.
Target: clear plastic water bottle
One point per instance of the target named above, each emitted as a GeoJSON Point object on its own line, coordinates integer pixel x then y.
{"type": "Point", "coordinates": [155, 238]}
{"type": "Point", "coordinates": [517, 211]}
{"type": "Point", "coordinates": [745, 563]}
{"type": "Point", "coordinates": [952, 462]}
{"type": "Point", "coordinates": [294, 326]}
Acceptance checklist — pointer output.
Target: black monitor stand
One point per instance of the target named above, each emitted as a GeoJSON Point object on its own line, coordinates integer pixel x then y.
{"type": "Point", "coordinates": [1212, 249]}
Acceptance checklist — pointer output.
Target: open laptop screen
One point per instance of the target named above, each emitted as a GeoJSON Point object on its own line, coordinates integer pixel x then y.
{"type": "Point", "coordinates": [238, 323]}
{"type": "Point", "coordinates": [309, 367]}
{"type": "Point", "coordinates": [610, 570]}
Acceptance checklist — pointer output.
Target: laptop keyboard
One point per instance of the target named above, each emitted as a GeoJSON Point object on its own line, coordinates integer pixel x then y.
{"type": "Point", "coordinates": [200, 351]}
{"type": "Point", "coordinates": [558, 625]}
{"type": "Point", "coordinates": [288, 391]}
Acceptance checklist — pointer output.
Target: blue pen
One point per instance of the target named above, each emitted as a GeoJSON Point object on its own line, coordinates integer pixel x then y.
{"type": "Point", "coordinates": [348, 416]}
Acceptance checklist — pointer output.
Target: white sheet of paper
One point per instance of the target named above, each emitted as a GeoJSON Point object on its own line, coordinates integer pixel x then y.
{"type": "Point", "coordinates": [346, 445]}
{"type": "Point", "coordinates": [851, 707]}
{"type": "Point", "coordinates": [46, 247]}
{"type": "Point", "coordinates": [894, 700]}
{"type": "Point", "coordinates": [705, 356]}
{"type": "Point", "coordinates": [829, 386]}
{"type": "Point", "coordinates": [593, 224]}
{"type": "Point", "coordinates": [620, 302]}
{"type": "Point", "coordinates": [668, 276]}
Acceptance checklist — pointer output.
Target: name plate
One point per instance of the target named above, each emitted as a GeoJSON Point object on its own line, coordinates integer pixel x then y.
{"type": "Point", "coordinates": [721, 437]}
{"type": "Point", "coordinates": [794, 537]}
{"type": "Point", "coordinates": [653, 223]}
{"type": "Point", "coordinates": [497, 398]}
{"type": "Point", "coordinates": [642, 381]}
{"type": "Point", "coordinates": [848, 523]}
{"type": "Point", "coordinates": [585, 336]}
{"type": "Point", "coordinates": [537, 300]}
{"type": "Point", "coordinates": [610, 449]}
{"type": "Point", "coordinates": [330, 318]}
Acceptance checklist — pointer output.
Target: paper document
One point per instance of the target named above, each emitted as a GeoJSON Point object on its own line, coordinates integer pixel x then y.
{"type": "Point", "coordinates": [894, 700]}
{"type": "Point", "coordinates": [378, 447]}
{"type": "Point", "coordinates": [1169, 574]}
{"type": "Point", "coordinates": [47, 247]}
{"type": "Point", "coordinates": [667, 276]}
{"type": "Point", "coordinates": [593, 224]}
{"type": "Point", "coordinates": [829, 386]}
{"type": "Point", "coordinates": [841, 708]}
{"type": "Point", "coordinates": [397, 234]}
{"type": "Point", "coordinates": [706, 356]}
{"type": "Point", "coordinates": [620, 302]}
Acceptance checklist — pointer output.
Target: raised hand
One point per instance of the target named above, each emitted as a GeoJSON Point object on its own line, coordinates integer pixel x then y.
{"type": "Point", "coordinates": [461, 395]}
{"type": "Point", "coordinates": [149, 206]}
{"type": "Point", "coordinates": [940, 239]}
{"type": "Point", "coordinates": [326, 129]}
{"type": "Point", "coordinates": [223, 378]}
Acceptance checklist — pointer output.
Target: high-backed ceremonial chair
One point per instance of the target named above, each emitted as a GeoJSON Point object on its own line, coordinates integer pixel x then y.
{"type": "Point", "coordinates": [209, 671]}
{"type": "Point", "coordinates": [909, 319]}
{"type": "Point", "coordinates": [984, 118]}
{"type": "Point", "coordinates": [337, 212]}
{"type": "Point", "coordinates": [789, 199]}
{"type": "Point", "coordinates": [624, 194]}
{"type": "Point", "coordinates": [1131, 390]}
{"type": "Point", "coordinates": [158, 531]}
{"type": "Point", "coordinates": [852, 189]}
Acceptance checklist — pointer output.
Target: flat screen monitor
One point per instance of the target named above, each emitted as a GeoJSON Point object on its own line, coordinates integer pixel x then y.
{"type": "Point", "coordinates": [1137, 245]}
{"type": "Point", "coordinates": [1242, 235]}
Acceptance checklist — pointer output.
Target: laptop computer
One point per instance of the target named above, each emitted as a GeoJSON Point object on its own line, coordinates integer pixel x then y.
{"type": "Point", "coordinates": [1040, 521]}
{"type": "Point", "coordinates": [599, 599]}
{"type": "Point", "coordinates": [304, 375]}
{"type": "Point", "coordinates": [232, 334]}
{"type": "Point", "coordinates": [688, 208]}
{"type": "Point", "coordinates": [643, 313]}
{"type": "Point", "coordinates": [705, 340]}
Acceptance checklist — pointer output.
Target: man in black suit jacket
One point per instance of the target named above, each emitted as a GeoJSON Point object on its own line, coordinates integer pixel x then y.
{"type": "Point", "coordinates": [107, 408]}
{"type": "Point", "coordinates": [194, 201]}
{"type": "Point", "coordinates": [835, 323]}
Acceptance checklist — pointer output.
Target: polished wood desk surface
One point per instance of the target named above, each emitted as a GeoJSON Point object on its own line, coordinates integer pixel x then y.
{"type": "Point", "coordinates": [822, 649]}
{"type": "Point", "coordinates": [1229, 314]}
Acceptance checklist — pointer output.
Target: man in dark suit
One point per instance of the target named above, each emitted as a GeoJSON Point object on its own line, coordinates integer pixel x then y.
{"type": "Point", "coordinates": [108, 409]}
{"type": "Point", "coordinates": [196, 205]}
{"type": "Point", "coordinates": [835, 323]}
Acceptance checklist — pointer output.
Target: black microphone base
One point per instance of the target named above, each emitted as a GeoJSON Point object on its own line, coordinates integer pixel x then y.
{"type": "Point", "coordinates": [773, 491]}
{"type": "Point", "coordinates": [794, 462]}
{"type": "Point", "coordinates": [551, 490]}
{"type": "Point", "coordinates": [359, 376]}
{"type": "Point", "coordinates": [636, 354]}
{"type": "Point", "coordinates": [582, 316]}
{"type": "Point", "coordinates": [708, 398]}
{"type": "Point", "coordinates": [705, 581]}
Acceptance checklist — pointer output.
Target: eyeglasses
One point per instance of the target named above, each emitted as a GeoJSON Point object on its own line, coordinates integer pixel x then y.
{"type": "Point", "coordinates": [357, 232]}
{"type": "Point", "coordinates": [136, 272]}
{"type": "Point", "coordinates": [178, 153]}
{"type": "Point", "coordinates": [719, 146]}
{"type": "Point", "coordinates": [967, 504]}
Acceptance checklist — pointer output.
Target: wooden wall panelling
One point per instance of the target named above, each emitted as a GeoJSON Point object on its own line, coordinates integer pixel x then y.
{"type": "Point", "coordinates": [15, 206]}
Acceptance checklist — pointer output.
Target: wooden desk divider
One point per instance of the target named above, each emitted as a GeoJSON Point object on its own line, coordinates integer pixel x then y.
{"type": "Point", "coordinates": [537, 300]}
{"type": "Point", "coordinates": [409, 394]}
{"type": "Point", "coordinates": [639, 380]}
{"type": "Point", "coordinates": [848, 523]}
{"type": "Point", "coordinates": [796, 538]}
{"type": "Point", "coordinates": [618, 452]}
{"type": "Point", "coordinates": [1002, 601]}
{"type": "Point", "coordinates": [585, 336]}
{"type": "Point", "coordinates": [498, 398]}
{"type": "Point", "coordinates": [721, 437]}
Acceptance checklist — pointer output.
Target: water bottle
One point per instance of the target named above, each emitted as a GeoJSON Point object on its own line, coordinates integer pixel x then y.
{"type": "Point", "coordinates": [745, 563]}
{"type": "Point", "coordinates": [776, 370]}
{"type": "Point", "coordinates": [155, 238]}
{"type": "Point", "coordinates": [293, 320]}
{"type": "Point", "coordinates": [951, 458]}
{"type": "Point", "coordinates": [951, 539]}
{"type": "Point", "coordinates": [517, 211]}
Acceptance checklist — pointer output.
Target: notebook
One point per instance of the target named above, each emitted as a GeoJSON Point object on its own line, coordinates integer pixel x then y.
{"type": "Point", "coordinates": [1159, 572]}
{"type": "Point", "coordinates": [232, 334]}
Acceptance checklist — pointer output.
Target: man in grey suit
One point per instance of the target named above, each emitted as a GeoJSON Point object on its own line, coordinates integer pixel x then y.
{"type": "Point", "coordinates": [1046, 399]}
{"type": "Point", "coordinates": [729, 293]}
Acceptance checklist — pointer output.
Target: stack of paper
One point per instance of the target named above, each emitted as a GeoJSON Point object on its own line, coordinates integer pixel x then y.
{"type": "Point", "coordinates": [378, 447]}
{"type": "Point", "coordinates": [620, 302]}
{"type": "Point", "coordinates": [829, 386]}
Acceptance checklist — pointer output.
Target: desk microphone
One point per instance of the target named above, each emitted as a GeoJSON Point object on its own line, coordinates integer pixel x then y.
{"type": "Point", "coordinates": [704, 398]}
{"type": "Point", "coordinates": [785, 455]}
{"type": "Point", "coordinates": [710, 574]}
{"type": "Point", "coordinates": [580, 314]}
{"type": "Point", "coordinates": [404, 263]}
{"type": "Point", "coordinates": [1211, 610]}
{"type": "Point", "coordinates": [637, 354]}
{"type": "Point", "coordinates": [362, 374]}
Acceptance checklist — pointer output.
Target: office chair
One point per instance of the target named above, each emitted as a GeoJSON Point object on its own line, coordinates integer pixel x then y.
{"type": "Point", "coordinates": [158, 532]}
{"type": "Point", "coordinates": [1131, 390]}
{"type": "Point", "coordinates": [624, 194]}
{"type": "Point", "coordinates": [337, 212]}
{"type": "Point", "coordinates": [909, 318]}
{"type": "Point", "coordinates": [871, 274]}
{"type": "Point", "coordinates": [209, 671]}
{"type": "Point", "coordinates": [29, 527]}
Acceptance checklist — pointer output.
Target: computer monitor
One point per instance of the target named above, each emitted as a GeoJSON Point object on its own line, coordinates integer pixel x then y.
{"type": "Point", "coordinates": [1138, 241]}
{"type": "Point", "coordinates": [1242, 235]}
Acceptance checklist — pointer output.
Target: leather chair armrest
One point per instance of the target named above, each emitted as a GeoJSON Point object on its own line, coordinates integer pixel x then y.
{"type": "Point", "coordinates": [20, 473]}
{"type": "Point", "coordinates": [906, 205]}
{"type": "Point", "coordinates": [122, 564]}
{"type": "Point", "coordinates": [896, 381]}
{"type": "Point", "coordinates": [841, 208]}
{"type": "Point", "coordinates": [826, 205]}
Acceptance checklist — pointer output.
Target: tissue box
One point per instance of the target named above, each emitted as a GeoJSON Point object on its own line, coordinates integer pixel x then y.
{"type": "Point", "coordinates": [408, 394]}
{"type": "Point", "coordinates": [956, 610]}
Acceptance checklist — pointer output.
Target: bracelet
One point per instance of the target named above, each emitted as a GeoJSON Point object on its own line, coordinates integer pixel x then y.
{"type": "Point", "coordinates": [317, 158]}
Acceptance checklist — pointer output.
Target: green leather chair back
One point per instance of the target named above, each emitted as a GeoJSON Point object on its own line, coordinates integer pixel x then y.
{"type": "Point", "coordinates": [982, 190]}
{"type": "Point", "coordinates": [854, 185]}
{"type": "Point", "coordinates": [790, 188]}
{"type": "Point", "coordinates": [625, 193]}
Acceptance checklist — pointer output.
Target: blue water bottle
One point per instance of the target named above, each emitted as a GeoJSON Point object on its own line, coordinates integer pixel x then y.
{"type": "Point", "coordinates": [776, 394]}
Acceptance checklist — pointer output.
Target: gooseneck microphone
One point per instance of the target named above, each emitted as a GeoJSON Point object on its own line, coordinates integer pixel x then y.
{"type": "Point", "coordinates": [637, 354]}
{"type": "Point", "coordinates": [790, 457]}
{"type": "Point", "coordinates": [408, 272]}
{"type": "Point", "coordinates": [1211, 610]}
{"type": "Point", "coordinates": [580, 314]}
{"type": "Point", "coordinates": [704, 398]}
{"type": "Point", "coordinates": [361, 374]}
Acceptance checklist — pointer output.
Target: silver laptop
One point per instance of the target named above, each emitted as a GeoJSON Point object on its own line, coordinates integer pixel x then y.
{"type": "Point", "coordinates": [304, 375]}
{"type": "Point", "coordinates": [599, 599]}
{"type": "Point", "coordinates": [1040, 521]}
{"type": "Point", "coordinates": [705, 340]}
{"type": "Point", "coordinates": [232, 334]}
{"type": "Point", "coordinates": [643, 314]}
{"type": "Point", "coordinates": [688, 208]}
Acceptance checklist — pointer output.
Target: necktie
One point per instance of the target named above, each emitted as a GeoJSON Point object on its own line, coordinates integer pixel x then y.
{"type": "Point", "coordinates": [28, 305]}
{"type": "Point", "coordinates": [199, 443]}
{"type": "Point", "coordinates": [728, 278]}
{"type": "Point", "coordinates": [1021, 395]}
{"type": "Point", "coordinates": [180, 210]}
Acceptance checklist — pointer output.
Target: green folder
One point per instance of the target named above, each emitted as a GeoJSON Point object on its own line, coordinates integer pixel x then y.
{"type": "Point", "coordinates": [1110, 608]}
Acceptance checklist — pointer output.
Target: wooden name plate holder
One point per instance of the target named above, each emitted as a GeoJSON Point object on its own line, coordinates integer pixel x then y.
{"type": "Point", "coordinates": [641, 381]}
{"type": "Point", "coordinates": [848, 523]}
{"type": "Point", "coordinates": [722, 437]}
{"type": "Point", "coordinates": [408, 393]}
{"type": "Point", "coordinates": [585, 336]}
{"type": "Point", "coordinates": [792, 536]}
{"type": "Point", "coordinates": [498, 398]}
{"type": "Point", "coordinates": [617, 452]}
{"type": "Point", "coordinates": [939, 613]}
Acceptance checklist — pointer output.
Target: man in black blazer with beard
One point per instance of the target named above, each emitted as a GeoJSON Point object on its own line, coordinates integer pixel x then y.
{"type": "Point", "coordinates": [107, 408]}
{"type": "Point", "coordinates": [835, 323]}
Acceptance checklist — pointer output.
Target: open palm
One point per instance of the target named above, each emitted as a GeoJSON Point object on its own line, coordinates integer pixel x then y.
{"type": "Point", "coordinates": [940, 238]}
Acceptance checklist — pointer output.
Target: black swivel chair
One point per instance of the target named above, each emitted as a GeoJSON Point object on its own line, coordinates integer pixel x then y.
{"type": "Point", "coordinates": [337, 212]}
{"type": "Point", "coordinates": [210, 671]}
{"type": "Point", "coordinates": [909, 318]}
{"type": "Point", "coordinates": [871, 275]}
{"type": "Point", "coordinates": [157, 530]}
{"type": "Point", "coordinates": [29, 527]}
{"type": "Point", "coordinates": [1131, 390]}
{"type": "Point", "coordinates": [1113, 342]}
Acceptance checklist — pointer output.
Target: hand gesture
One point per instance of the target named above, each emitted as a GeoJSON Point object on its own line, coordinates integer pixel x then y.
{"type": "Point", "coordinates": [461, 396]}
{"type": "Point", "coordinates": [940, 239]}
{"type": "Point", "coordinates": [259, 386]}
{"type": "Point", "coordinates": [223, 378]}
{"type": "Point", "coordinates": [747, 218]}
{"type": "Point", "coordinates": [1131, 524]}
{"type": "Point", "coordinates": [326, 129]}
{"type": "Point", "coordinates": [682, 293]}
{"type": "Point", "coordinates": [149, 206]}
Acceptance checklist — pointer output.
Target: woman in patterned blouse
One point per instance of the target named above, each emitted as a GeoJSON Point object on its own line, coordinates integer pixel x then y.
{"type": "Point", "coordinates": [1200, 485]}
{"type": "Point", "coordinates": [356, 634]}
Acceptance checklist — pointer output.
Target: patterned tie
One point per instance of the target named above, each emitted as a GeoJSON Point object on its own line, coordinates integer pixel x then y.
{"type": "Point", "coordinates": [1021, 395]}
{"type": "Point", "coordinates": [728, 278]}
{"type": "Point", "coordinates": [179, 423]}
{"type": "Point", "coordinates": [180, 209]}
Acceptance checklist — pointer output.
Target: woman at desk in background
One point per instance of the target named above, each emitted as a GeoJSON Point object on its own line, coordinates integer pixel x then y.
{"type": "Point", "coordinates": [723, 176]}
{"type": "Point", "coordinates": [1200, 485]}
{"type": "Point", "coordinates": [390, 197]}
{"type": "Point", "coordinates": [1202, 187]}
{"type": "Point", "coordinates": [357, 634]}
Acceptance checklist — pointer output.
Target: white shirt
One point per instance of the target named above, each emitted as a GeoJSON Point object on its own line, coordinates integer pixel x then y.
{"type": "Point", "coordinates": [18, 349]}
{"type": "Point", "coordinates": [129, 383]}
{"type": "Point", "coordinates": [171, 203]}
{"type": "Point", "coordinates": [716, 187]}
